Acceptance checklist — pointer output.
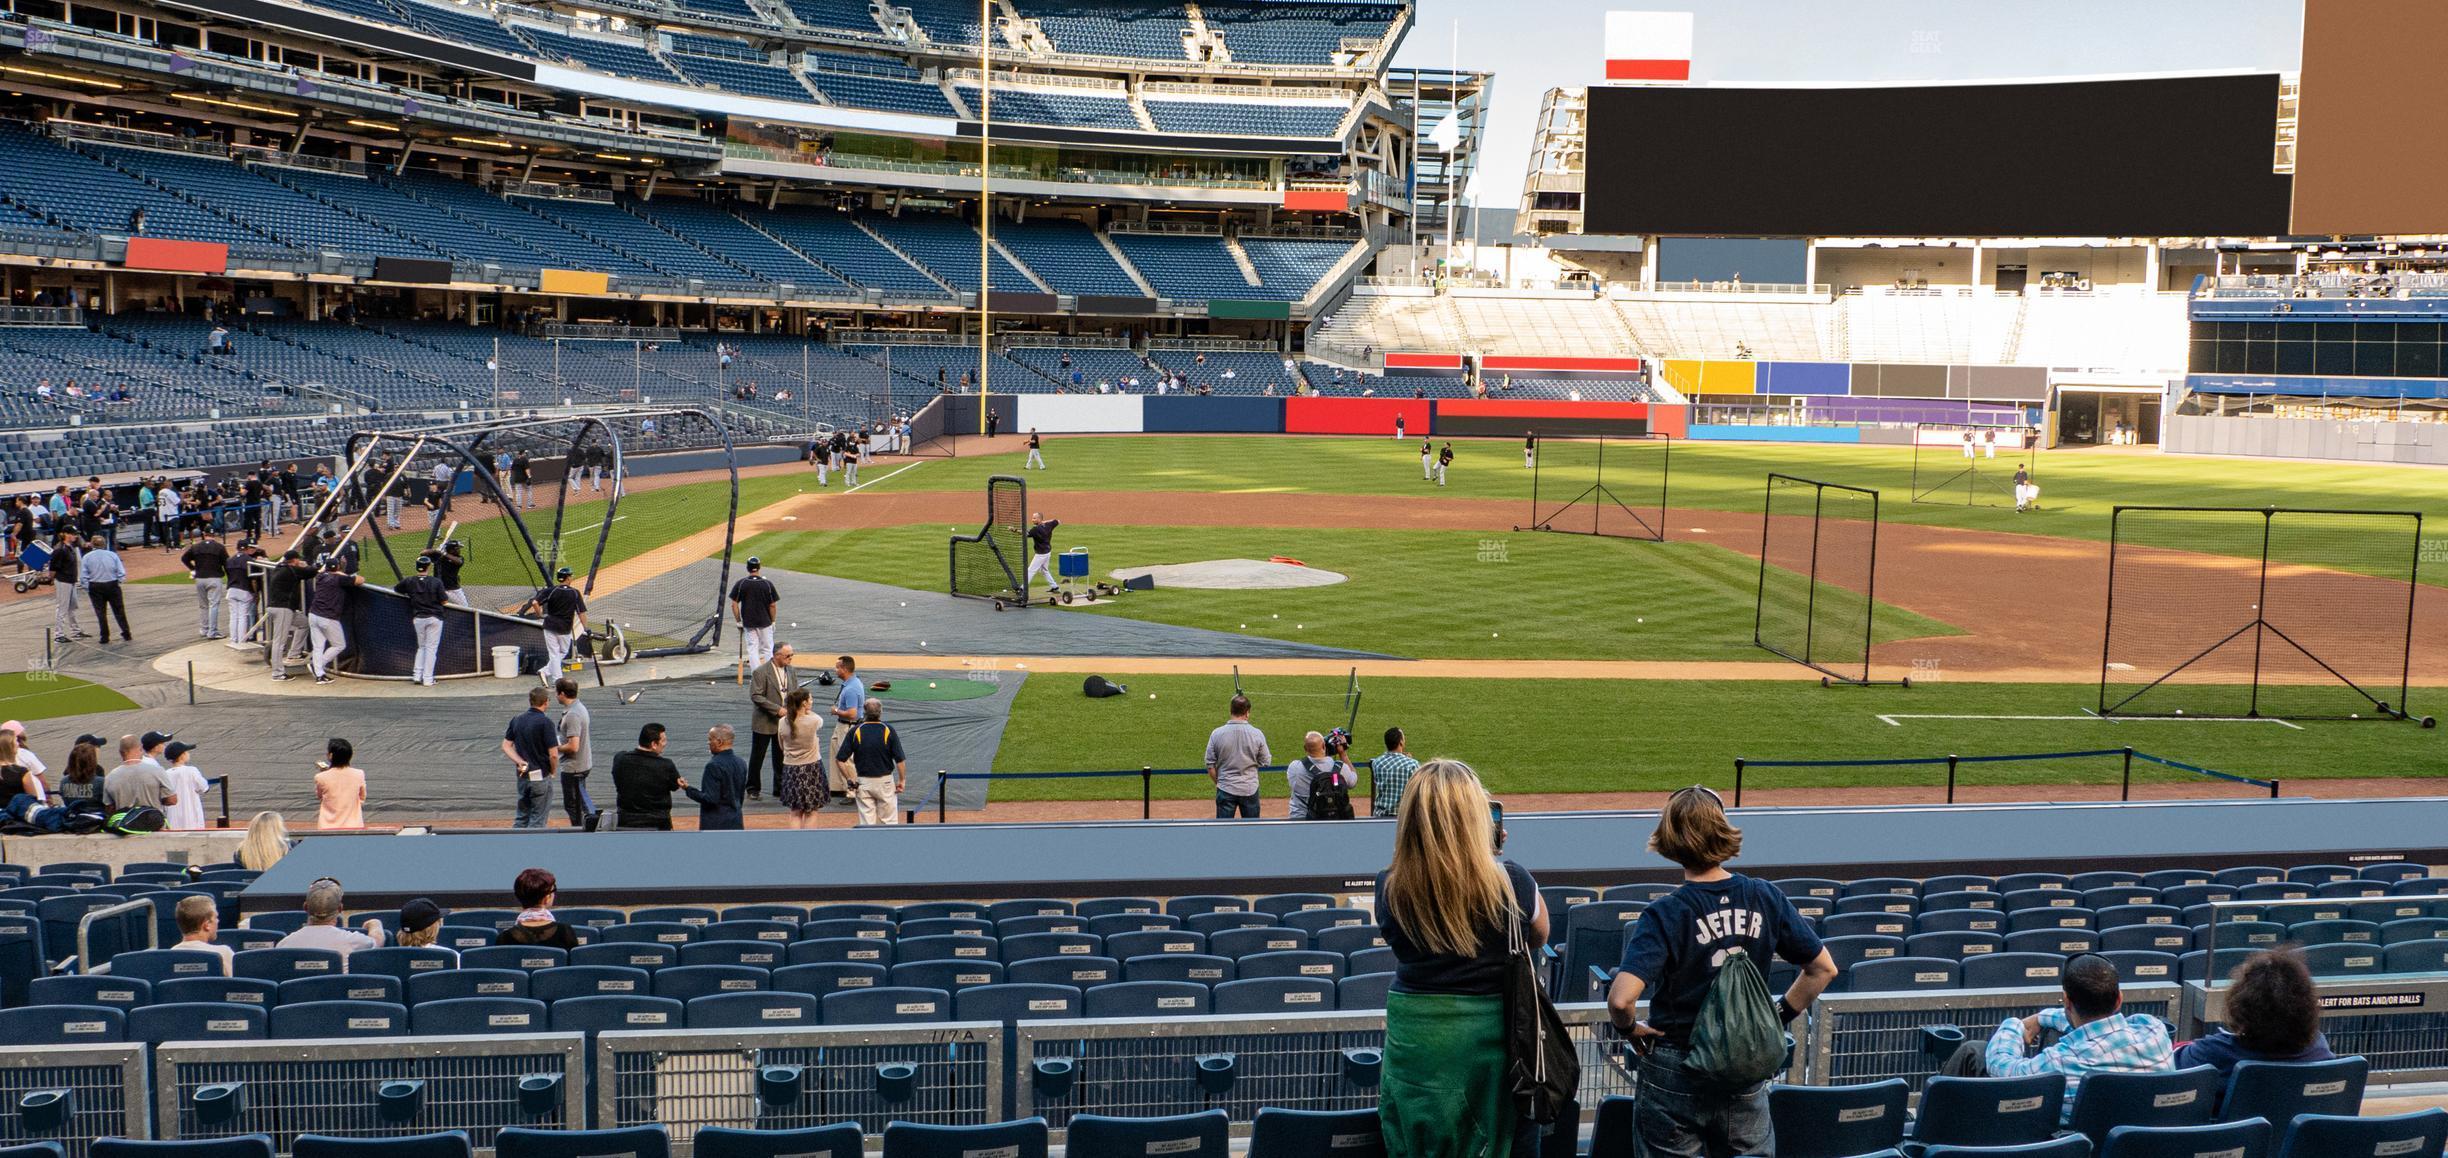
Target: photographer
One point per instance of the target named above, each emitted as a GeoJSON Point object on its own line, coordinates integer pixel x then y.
{"type": "Point", "coordinates": [1322, 777]}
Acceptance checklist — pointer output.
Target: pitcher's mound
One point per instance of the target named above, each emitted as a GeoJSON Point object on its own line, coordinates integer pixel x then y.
{"type": "Point", "coordinates": [1233, 575]}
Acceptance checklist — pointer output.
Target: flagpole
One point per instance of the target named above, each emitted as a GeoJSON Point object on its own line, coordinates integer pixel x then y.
{"type": "Point", "coordinates": [985, 200]}
{"type": "Point", "coordinates": [1453, 110]}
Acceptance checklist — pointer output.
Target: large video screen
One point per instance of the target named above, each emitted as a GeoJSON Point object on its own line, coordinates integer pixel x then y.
{"type": "Point", "coordinates": [2167, 156]}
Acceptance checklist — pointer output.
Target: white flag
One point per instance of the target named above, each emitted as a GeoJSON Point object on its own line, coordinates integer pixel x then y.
{"type": "Point", "coordinates": [1447, 135]}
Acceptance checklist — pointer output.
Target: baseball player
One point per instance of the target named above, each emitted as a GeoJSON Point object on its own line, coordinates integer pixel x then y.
{"type": "Point", "coordinates": [1529, 449]}
{"type": "Point", "coordinates": [1427, 459]}
{"type": "Point", "coordinates": [2025, 491]}
{"type": "Point", "coordinates": [753, 600]}
{"type": "Point", "coordinates": [564, 615]}
{"type": "Point", "coordinates": [1041, 550]}
{"type": "Point", "coordinates": [1036, 461]}
{"type": "Point", "coordinates": [1444, 460]}
{"type": "Point", "coordinates": [425, 600]}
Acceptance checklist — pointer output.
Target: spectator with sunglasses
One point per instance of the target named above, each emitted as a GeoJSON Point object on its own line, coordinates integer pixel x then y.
{"type": "Point", "coordinates": [322, 930]}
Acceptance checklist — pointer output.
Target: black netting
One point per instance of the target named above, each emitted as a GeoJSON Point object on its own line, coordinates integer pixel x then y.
{"type": "Point", "coordinates": [1970, 465]}
{"type": "Point", "coordinates": [1601, 486]}
{"type": "Point", "coordinates": [1817, 552]}
{"type": "Point", "coordinates": [993, 563]}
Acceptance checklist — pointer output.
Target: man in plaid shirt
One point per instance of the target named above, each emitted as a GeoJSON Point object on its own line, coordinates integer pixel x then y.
{"type": "Point", "coordinates": [2096, 1037]}
{"type": "Point", "coordinates": [1389, 774]}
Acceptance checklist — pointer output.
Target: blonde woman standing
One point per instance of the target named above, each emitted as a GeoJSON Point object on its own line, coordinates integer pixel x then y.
{"type": "Point", "coordinates": [801, 786]}
{"type": "Point", "coordinates": [1448, 906]}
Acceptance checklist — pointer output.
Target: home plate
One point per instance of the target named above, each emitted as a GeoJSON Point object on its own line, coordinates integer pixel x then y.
{"type": "Point", "coordinates": [1233, 575]}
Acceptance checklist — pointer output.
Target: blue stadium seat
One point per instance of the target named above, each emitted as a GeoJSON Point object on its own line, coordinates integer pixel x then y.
{"type": "Point", "coordinates": [212, 988]}
{"type": "Point", "coordinates": [2053, 917]}
{"type": "Point", "coordinates": [120, 993]}
{"type": "Point", "coordinates": [1903, 904]}
{"type": "Point", "coordinates": [854, 910]}
{"type": "Point", "coordinates": [1146, 999]}
{"type": "Point", "coordinates": [285, 964]}
{"type": "Point", "coordinates": [524, 958]}
{"type": "Point", "coordinates": [2343, 960]}
{"type": "Point", "coordinates": [635, 956]}
{"type": "Point", "coordinates": [1292, 963]}
{"type": "Point", "coordinates": [2013, 970]}
{"type": "Point", "coordinates": [2394, 871]}
{"type": "Point", "coordinates": [2245, 875]}
{"type": "Point", "coordinates": [650, 932]}
{"type": "Point", "coordinates": [2144, 966]}
{"type": "Point", "coordinates": [2325, 932]}
{"type": "Point", "coordinates": [1348, 939]}
{"type": "Point", "coordinates": [495, 920]}
{"type": "Point", "coordinates": [1124, 946]}
{"type": "Point", "coordinates": [754, 954]}
{"type": "Point", "coordinates": [2178, 939]}
{"type": "Point", "coordinates": [165, 964]}
{"type": "Point", "coordinates": [1989, 1111]}
{"type": "Point", "coordinates": [552, 985]}
{"type": "Point", "coordinates": [890, 1005]}
{"type": "Point", "coordinates": [1316, 922]}
{"type": "Point", "coordinates": [453, 984]}
{"type": "Point", "coordinates": [940, 910]}
{"type": "Point", "coordinates": [687, 982]}
{"type": "Point", "coordinates": [633, 1142]}
{"type": "Point", "coordinates": [1249, 942]}
{"type": "Point", "coordinates": [2102, 879]}
{"type": "Point", "coordinates": [697, 915]}
{"type": "Point", "coordinates": [2024, 882]}
{"type": "Point", "coordinates": [284, 922]}
{"type": "Point", "coordinates": [447, 1144]}
{"type": "Point", "coordinates": [2415, 957]}
{"type": "Point", "coordinates": [1191, 906]}
{"type": "Point", "coordinates": [1274, 995]}
{"type": "Point", "coordinates": [471, 1015]}
{"type": "Point", "coordinates": [346, 987]}
{"type": "Point", "coordinates": [2186, 1097]}
{"type": "Point", "coordinates": [1377, 960]}
{"type": "Point", "coordinates": [62, 1025]}
{"type": "Point", "coordinates": [747, 929]}
{"type": "Point", "coordinates": [616, 1011]}
{"type": "Point", "coordinates": [1009, 1003]}
{"type": "Point", "coordinates": [2246, 1139]}
{"type": "Point", "coordinates": [1111, 925]}
{"type": "Point", "coordinates": [829, 950]}
{"type": "Point", "coordinates": [790, 915]}
{"type": "Point", "coordinates": [944, 948]}
{"type": "Point", "coordinates": [1837, 1121]}
{"type": "Point", "coordinates": [1953, 946]}
{"type": "Point", "coordinates": [757, 1010]}
{"type": "Point", "coordinates": [1866, 925]}
{"type": "Point", "coordinates": [1363, 991]}
{"type": "Point", "coordinates": [949, 976]}
{"type": "Point", "coordinates": [155, 1024]}
{"type": "Point", "coordinates": [1010, 927]}
{"type": "Point", "coordinates": [2075, 1146]}
{"type": "Point", "coordinates": [2395, 932]}
{"type": "Point", "coordinates": [840, 1140]}
{"type": "Point", "coordinates": [1119, 906]}
{"type": "Point", "coordinates": [459, 938]}
{"type": "Point", "coordinates": [1022, 1139]}
{"type": "Point", "coordinates": [404, 963]}
{"type": "Point", "coordinates": [2120, 896]}
{"type": "Point", "coordinates": [1202, 968]}
{"type": "Point", "coordinates": [313, 1019]}
{"type": "Point", "coordinates": [242, 1146]}
{"type": "Point", "coordinates": [1079, 972]}
{"type": "Point", "coordinates": [873, 928]}
{"type": "Point", "coordinates": [2420, 1134]}
{"type": "Point", "coordinates": [830, 977]}
{"type": "Point", "coordinates": [2187, 896]}
{"type": "Point", "coordinates": [2062, 942]}
{"type": "Point", "coordinates": [1206, 1134]}
{"type": "Point", "coordinates": [1283, 1133]}
{"type": "Point", "coordinates": [2282, 1091]}
{"type": "Point", "coordinates": [1851, 951]}
{"type": "Point", "coordinates": [946, 927]}
{"type": "Point", "coordinates": [1224, 919]}
{"type": "Point", "coordinates": [1028, 907]}
{"type": "Point", "coordinates": [1899, 974]}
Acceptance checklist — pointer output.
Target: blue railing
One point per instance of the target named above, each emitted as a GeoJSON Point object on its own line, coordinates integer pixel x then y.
{"type": "Point", "coordinates": [1954, 763]}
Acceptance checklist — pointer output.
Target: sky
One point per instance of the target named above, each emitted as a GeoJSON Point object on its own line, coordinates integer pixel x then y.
{"type": "Point", "coordinates": [1535, 45]}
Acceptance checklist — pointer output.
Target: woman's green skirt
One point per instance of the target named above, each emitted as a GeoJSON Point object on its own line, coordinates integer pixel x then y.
{"type": "Point", "coordinates": [1443, 1092]}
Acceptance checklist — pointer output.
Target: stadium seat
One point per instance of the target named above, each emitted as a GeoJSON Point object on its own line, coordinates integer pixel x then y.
{"type": "Point", "coordinates": [2187, 896]}
{"type": "Point", "coordinates": [1202, 968]}
{"type": "Point", "coordinates": [310, 1019]}
{"type": "Point", "coordinates": [2103, 879]}
{"type": "Point", "coordinates": [2143, 966]}
{"type": "Point", "coordinates": [2052, 917]}
{"type": "Point", "coordinates": [2357, 889]}
{"type": "Point", "coordinates": [1857, 887]}
{"type": "Point", "coordinates": [1010, 927]}
{"type": "Point", "coordinates": [1192, 906]}
{"type": "Point", "coordinates": [2415, 957]}
{"type": "Point", "coordinates": [1207, 1134]}
{"type": "Point", "coordinates": [1252, 941]}
{"type": "Point", "coordinates": [890, 1005]}
{"type": "Point", "coordinates": [241, 1146]}
{"type": "Point", "coordinates": [634, 956]}
{"type": "Point", "coordinates": [1364, 991]}
{"type": "Point", "coordinates": [1851, 951]}
{"type": "Point", "coordinates": [1124, 946]}
{"type": "Point", "coordinates": [1081, 972]}
{"type": "Point", "coordinates": [1283, 1133]}
{"type": "Point", "coordinates": [552, 985]}
{"type": "Point", "coordinates": [2275, 891]}
{"type": "Point", "coordinates": [946, 927]}
{"type": "Point", "coordinates": [1273, 995]}
{"type": "Point", "coordinates": [165, 964]}
{"type": "Point", "coordinates": [1953, 946]}
{"type": "Point", "coordinates": [1028, 907]}
{"type": "Point", "coordinates": [1898, 974]}
{"type": "Point", "coordinates": [831, 950]}
{"type": "Point", "coordinates": [2249, 1138]}
{"type": "Point", "coordinates": [1145, 999]}
{"type": "Point", "coordinates": [2012, 970]}
{"type": "Point", "coordinates": [840, 1140]}
{"type": "Point", "coordinates": [851, 910]}
{"type": "Point", "coordinates": [761, 1010]}
{"type": "Point", "coordinates": [213, 988]}
{"type": "Point", "coordinates": [2176, 939]}
{"type": "Point", "coordinates": [2075, 1146]}
{"type": "Point", "coordinates": [451, 984]}
{"type": "Point", "coordinates": [1950, 912]}
{"type": "Point", "coordinates": [285, 921]}
{"type": "Point", "coordinates": [753, 954]}
{"type": "Point", "coordinates": [1837, 1121]}
{"type": "Point", "coordinates": [346, 987]}
{"type": "Point", "coordinates": [525, 958]}
{"type": "Point", "coordinates": [195, 1021]}
{"type": "Point", "coordinates": [1377, 960]}
{"type": "Point", "coordinates": [2420, 1134]}
{"type": "Point", "coordinates": [698, 915]}
{"type": "Point", "coordinates": [1032, 945]}
{"type": "Point", "coordinates": [966, 947]}
{"type": "Point", "coordinates": [818, 980]}
{"type": "Point", "coordinates": [1119, 906]}
{"type": "Point", "coordinates": [941, 910]}
{"type": "Point", "coordinates": [1223, 919]}
{"type": "Point", "coordinates": [827, 928]}
{"type": "Point", "coordinates": [1022, 1139]}
{"type": "Point", "coordinates": [458, 938]}
{"type": "Point", "coordinates": [1990, 1111]}
{"type": "Point", "coordinates": [633, 1142]}
{"type": "Point", "coordinates": [447, 1144]}
{"type": "Point", "coordinates": [2394, 871]}
{"type": "Point", "coordinates": [2120, 896]}
{"type": "Point", "coordinates": [684, 983]}
{"type": "Point", "coordinates": [1866, 925]}
{"type": "Point", "coordinates": [649, 932]}
{"type": "Point", "coordinates": [1347, 940]}
{"type": "Point", "coordinates": [1291, 963]}
{"type": "Point", "coordinates": [1111, 925]}
{"type": "Point", "coordinates": [2062, 942]}
{"type": "Point", "coordinates": [63, 1025]}
{"type": "Point", "coordinates": [2282, 1091]}
{"type": "Point", "coordinates": [2323, 932]}
{"type": "Point", "coordinates": [740, 929]}
{"type": "Point", "coordinates": [404, 963]}
{"type": "Point", "coordinates": [2343, 960]}
{"type": "Point", "coordinates": [1316, 922]}
{"type": "Point", "coordinates": [471, 1015]}
{"type": "Point", "coordinates": [284, 964]}
{"type": "Point", "coordinates": [1010, 1003]}
{"type": "Point", "coordinates": [2186, 1097]}
{"type": "Point", "coordinates": [949, 976]}
{"type": "Point", "coordinates": [616, 1011]}
{"type": "Point", "coordinates": [120, 993]}
{"type": "Point", "coordinates": [1901, 904]}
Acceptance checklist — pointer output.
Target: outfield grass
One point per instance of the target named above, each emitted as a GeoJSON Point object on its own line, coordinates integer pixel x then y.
{"type": "Point", "coordinates": [1421, 594]}
{"type": "Point", "coordinates": [41, 695]}
{"type": "Point", "coordinates": [1530, 736]}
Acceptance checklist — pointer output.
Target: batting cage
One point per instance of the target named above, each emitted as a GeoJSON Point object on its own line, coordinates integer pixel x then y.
{"type": "Point", "coordinates": [1971, 465]}
{"type": "Point", "coordinates": [1818, 562]}
{"type": "Point", "coordinates": [1609, 485]}
{"type": "Point", "coordinates": [1347, 698]}
{"type": "Point", "coordinates": [2238, 612]}
{"type": "Point", "coordinates": [503, 506]}
{"type": "Point", "coordinates": [993, 564]}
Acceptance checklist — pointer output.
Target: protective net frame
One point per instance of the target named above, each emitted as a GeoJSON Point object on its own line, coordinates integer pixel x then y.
{"type": "Point", "coordinates": [1575, 488]}
{"type": "Point", "coordinates": [993, 563]}
{"type": "Point", "coordinates": [1942, 473]}
{"type": "Point", "coordinates": [1350, 695]}
{"type": "Point", "coordinates": [1818, 576]}
{"type": "Point", "coordinates": [2260, 612]}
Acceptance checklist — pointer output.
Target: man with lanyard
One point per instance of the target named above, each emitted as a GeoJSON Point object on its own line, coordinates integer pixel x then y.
{"type": "Point", "coordinates": [878, 770]}
{"type": "Point", "coordinates": [244, 585]}
{"type": "Point", "coordinates": [284, 595]}
{"type": "Point", "coordinates": [326, 602]}
{"type": "Point", "coordinates": [425, 599]}
{"type": "Point", "coordinates": [576, 756]}
{"type": "Point", "coordinates": [446, 564]}
{"type": "Point", "coordinates": [846, 709]}
{"type": "Point", "coordinates": [753, 600]}
{"type": "Point", "coordinates": [564, 613]}
{"type": "Point", "coordinates": [101, 572]}
{"type": "Point", "coordinates": [1041, 551]}
{"type": "Point", "coordinates": [207, 563]}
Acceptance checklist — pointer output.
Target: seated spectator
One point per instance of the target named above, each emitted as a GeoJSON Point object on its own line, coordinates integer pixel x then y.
{"type": "Point", "coordinates": [536, 889]}
{"type": "Point", "coordinates": [322, 929]}
{"type": "Point", "coordinates": [199, 921]}
{"type": "Point", "coordinates": [267, 841]}
{"type": "Point", "coordinates": [2273, 1015]}
{"type": "Point", "coordinates": [83, 778]}
{"type": "Point", "coordinates": [2095, 1036]}
{"type": "Point", "coordinates": [420, 924]}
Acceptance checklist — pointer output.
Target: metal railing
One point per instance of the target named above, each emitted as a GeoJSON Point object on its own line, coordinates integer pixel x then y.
{"type": "Point", "coordinates": [331, 1086]}
{"type": "Point", "coordinates": [96, 1091]}
{"type": "Point", "coordinates": [137, 920]}
{"type": "Point", "coordinates": [53, 316]}
{"type": "Point", "coordinates": [1854, 1038]}
{"type": "Point", "coordinates": [691, 1079]}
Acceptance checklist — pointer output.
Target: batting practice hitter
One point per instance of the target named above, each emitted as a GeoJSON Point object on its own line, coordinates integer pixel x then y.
{"type": "Point", "coordinates": [1041, 551]}
{"type": "Point", "coordinates": [425, 599]}
{"type": "Point", "coordinates": [753, 600]}
{"type": "Point", "coordinates": [564, 615]}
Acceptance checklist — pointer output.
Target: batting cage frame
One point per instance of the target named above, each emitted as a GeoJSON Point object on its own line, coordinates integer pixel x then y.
{"type": "Point", "coordinates": [1830, 571]}
{"type": "Point", "coordinates": [1953, 472]}
{"type": "Point", "coordinates": [2260, 613]}
{"type": "Point", "coordinates": [1592, 492]}
{"type": "Point", "coordinates": [993, 563]}
{"type": "Point", "coordinates": [1350, 696]}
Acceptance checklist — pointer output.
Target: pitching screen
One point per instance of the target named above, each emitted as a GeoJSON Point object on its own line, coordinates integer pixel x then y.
{"type": "Point", "coordinates": [2170, 156]}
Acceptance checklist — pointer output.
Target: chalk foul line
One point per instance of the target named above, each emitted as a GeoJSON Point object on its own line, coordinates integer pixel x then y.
{"type": "Point", "coordinates": [1896, 719]}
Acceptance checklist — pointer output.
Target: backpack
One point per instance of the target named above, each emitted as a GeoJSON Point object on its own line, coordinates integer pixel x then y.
{"type": "Point", "coordinates": [1737, 1041]}
{"type": "Point", "coordinates": [1329, 798]}
{"type": "Point", "coordinates": [142, 818]}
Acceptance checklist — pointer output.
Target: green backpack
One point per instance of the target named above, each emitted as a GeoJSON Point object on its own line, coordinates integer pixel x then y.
{"type": "Point", "coordinates": [1737, 1041]}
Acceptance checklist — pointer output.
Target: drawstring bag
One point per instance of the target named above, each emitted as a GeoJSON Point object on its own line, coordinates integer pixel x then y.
{"type": "Point", "coordinates": [1737, 1041]}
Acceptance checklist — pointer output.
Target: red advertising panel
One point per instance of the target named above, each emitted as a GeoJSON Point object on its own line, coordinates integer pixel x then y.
{"type": "Point", "coordinates": [1318, 200]}
{"type": "Point", "coordinates": [1354, 415]}
{"type": "Point", "coordinates": [177, 256]}
{"type": "Point", "coordinates": [1396, 361]}
{"type": "Point", "coordinates": [1556, 364]}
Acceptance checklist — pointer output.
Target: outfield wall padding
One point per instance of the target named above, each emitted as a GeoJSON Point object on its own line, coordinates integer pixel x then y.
{"type": "Point", "coordinates": [1560, 366]}
{"type": "Point", "coordinates": [1235, 414]}
{"type": "Point", "coordinates": [1494, 418]}
{"type": "Point", "coordinates": [1712, 430]}
{"type": "Point", "coordinates": [1805, 378]}
{"type": "Point", "coordinates": [1348, 415]}
{"type": "Point", "coordinates": [1078, 414]}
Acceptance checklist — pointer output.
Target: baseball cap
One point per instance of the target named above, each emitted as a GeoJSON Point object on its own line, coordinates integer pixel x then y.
{"type": "Point", "coordinates": [13, 726]}
{"type": "Point", "coordinates": [754, 563]}
{"type": "Point", "coordinates": [424, 563]}
{"type": "Point", "coordinates": [152, 740]}
{"type": "Point", "coordinates": [177, 750]}
{"type": "Point", "coordinates": [420, 913]}
{"type": "Point", "coordinates": [563, 573]}
{"type": "Point", "coordinates": [96, 741]}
